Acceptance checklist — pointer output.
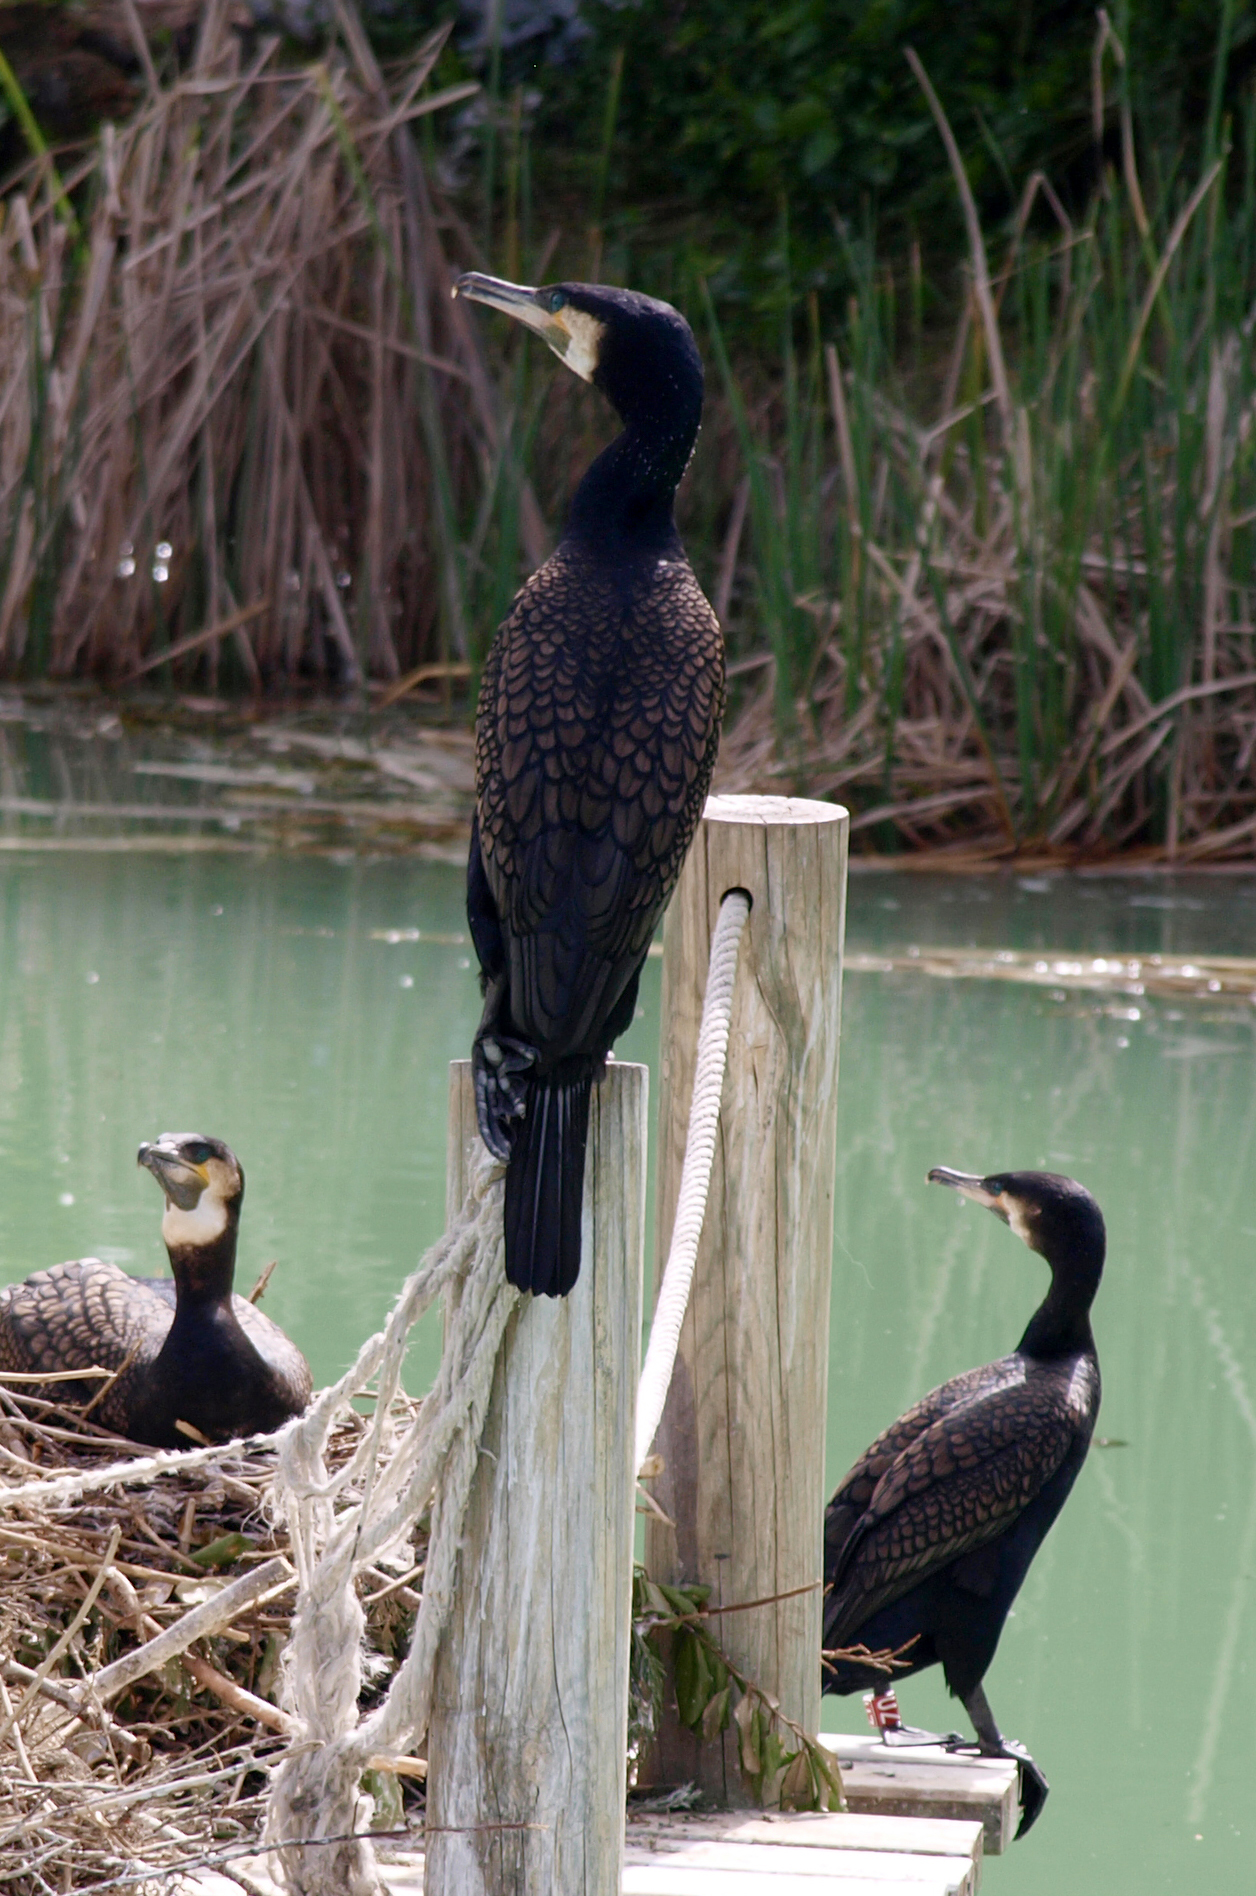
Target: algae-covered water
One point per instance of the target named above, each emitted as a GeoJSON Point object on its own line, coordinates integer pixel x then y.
{"type": "Point", "coordinates": [306, 1010]}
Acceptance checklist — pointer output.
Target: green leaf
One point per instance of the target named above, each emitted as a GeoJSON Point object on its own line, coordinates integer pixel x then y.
{"type": "Point", "coordinates": [715, 1664]}
{"type": "Point", "coordinates": [798, 1786]}
{"type": "Point", "coordinates": [385, 1789]}
{"type": "Point", "coordinates": [749, 1722]}
{"type": "Point", "coordinates": [828, 1775]}
{"type": "Point", "coordinates": [715, 1717]}
{"type": "Point", "coordinates": [684, 1600]}
{"type": "Point", "coordinates": [775, 1759]}
{"type": "Point", "coordinates": [694, 1684]}
{"type": "Point", "coordinates": [656, 1601]}
{"type": "Point", "coordinates": [223, 1551]}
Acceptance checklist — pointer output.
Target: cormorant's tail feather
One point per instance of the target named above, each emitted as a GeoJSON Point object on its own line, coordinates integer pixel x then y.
{"type": "Point", "coordinates": [545, 1187]}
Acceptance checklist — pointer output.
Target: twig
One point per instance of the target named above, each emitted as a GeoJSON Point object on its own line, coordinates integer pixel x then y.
{"type": "Point", "coordinates": [195, 640]}
{"type": "Point", "coordinates": [59, 1647]}
{"type": "Point", "coordinates": [421, 675]}
{"type": "Point", "coordinates": [210, 1617]}
{"type": "Point", "coordinates": [107, 1385]}
{"type": "Point", "coordinates": [19, 1744]}
{"type": "Point", "coordinates": [235, 1696]}
{"type": "Point", "coordinates": [259, 1289]}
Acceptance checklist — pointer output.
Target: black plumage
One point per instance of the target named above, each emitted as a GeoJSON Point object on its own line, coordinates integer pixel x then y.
{"type": "Point", "coordinates": [596, 736]}
{"type": "Point", "coordinates": [187, 1351]}
{"type": "Point", "coordinates": [927, 1540]}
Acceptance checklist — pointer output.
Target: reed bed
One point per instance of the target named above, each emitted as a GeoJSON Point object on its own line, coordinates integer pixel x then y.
{"type": "Point", "coordinates": [1021, 617]}
{"type": "Point", "coordinates": [171, 1772]}
{"type": "Point", "coordinates": [239, 414]}
{"type": "Point", "coordinates": [994, 587]}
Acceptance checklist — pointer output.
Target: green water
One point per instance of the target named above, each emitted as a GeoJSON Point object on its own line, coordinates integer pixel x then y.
{"type": "Point", "coordinates": [261, 999]}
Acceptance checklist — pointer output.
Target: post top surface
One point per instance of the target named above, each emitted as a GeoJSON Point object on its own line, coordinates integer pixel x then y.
{"type": "Point", "coordinates": [772, 810]}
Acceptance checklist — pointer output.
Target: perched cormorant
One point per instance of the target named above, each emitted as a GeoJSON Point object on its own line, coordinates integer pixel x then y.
{"type": "Point", "coordinates": [188, 1351]}
{"type": "Point", "coordinates": [931, 1533]}
{"type": "Point", "coordinates": [596, 735]}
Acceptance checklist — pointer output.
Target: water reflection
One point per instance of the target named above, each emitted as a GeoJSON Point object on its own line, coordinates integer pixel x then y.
{"type": "Point", "coordinates": [306, 1010]}
{"type": "Point", "coordinates": [245, 998]}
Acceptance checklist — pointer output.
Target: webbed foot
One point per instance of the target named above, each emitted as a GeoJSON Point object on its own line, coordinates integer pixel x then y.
{"type": "Point", "coordinates": [1032, 1785]}
{"type": "Point", "coordinates": [501, 1066]}
{"type": "Point", "coordinates": [991, 1743]}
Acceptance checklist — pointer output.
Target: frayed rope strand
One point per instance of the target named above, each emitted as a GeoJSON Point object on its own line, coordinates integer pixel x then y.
{"type": "Point", "coordinates": [316, 1791]}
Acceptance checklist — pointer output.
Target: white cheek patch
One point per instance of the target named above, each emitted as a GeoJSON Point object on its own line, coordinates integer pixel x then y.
{"type": "Point", "coordinates": [201, 1226]}
{"type": "Point", "coordinates": [585, 345]}
{"type": "Point", "coordinates": [1018, 1222]}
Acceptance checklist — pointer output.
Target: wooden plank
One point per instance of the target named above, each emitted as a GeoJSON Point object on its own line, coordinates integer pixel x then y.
{"type": "Point", "coordinates": [836, 1830]}
{"type": "Point", "coordinates": [909, 1873]}
{"type": "Point", "coordinates": [662, 1879]}
{"type": "Point", "coordinates": [742, 1436]}
{"type": "Point", "coordinates": [527, 1746]}
{"type": "Point", "coordinates": [701, 1868]}
{"type": "Point", "coordinates": [926, 1781]}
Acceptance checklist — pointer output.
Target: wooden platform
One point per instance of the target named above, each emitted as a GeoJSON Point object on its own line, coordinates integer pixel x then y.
{"type": "Point", "coordinates": [745, 1853]}
{"type": "Point", "coordinates": [920, 1823]}
{"type": "Point", "coordinates": [736, 1853]}
{"type": "Point", "coordinates": [926, 1781]}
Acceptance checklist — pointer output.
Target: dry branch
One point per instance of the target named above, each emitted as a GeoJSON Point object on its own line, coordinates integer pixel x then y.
{"type": "Point", "coordinates": [116, 1596]}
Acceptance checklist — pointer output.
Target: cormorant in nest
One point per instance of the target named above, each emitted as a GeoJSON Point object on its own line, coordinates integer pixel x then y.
{"type": "Point", "coordinates": [596, 735]}
{"type": "Point", "coordinates": [930, 1535]}
{"type": "Point", "coordinates": [187, 1352]}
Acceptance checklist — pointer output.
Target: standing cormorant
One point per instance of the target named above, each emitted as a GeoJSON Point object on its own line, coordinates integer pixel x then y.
{"type": "Point", "coordinates": [596, 734]}
{"type": "Point", "coordinates": [188, 1351]}
{"type": "Point", "coordinates": [930, 1535]}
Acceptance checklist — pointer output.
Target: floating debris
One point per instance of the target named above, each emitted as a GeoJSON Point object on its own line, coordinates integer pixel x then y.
{"type": "Point", "coordinates": [1197, 977]}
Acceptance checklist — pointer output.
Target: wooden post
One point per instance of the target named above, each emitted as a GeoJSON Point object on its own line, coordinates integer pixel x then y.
{"type": "Point", "coordinates": [527, 1749]}
{"type": "Point", "coordinates": [742, 1436]}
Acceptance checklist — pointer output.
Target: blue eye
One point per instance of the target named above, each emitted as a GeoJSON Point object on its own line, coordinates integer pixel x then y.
{"type": "Point", "coordinates": [555, 300]}
{"type": "Point", "coordinates": [197, 1152]}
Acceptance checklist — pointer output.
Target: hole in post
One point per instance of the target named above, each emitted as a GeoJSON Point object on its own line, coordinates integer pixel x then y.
{"type": "Point", "coordinates": [737, 890]}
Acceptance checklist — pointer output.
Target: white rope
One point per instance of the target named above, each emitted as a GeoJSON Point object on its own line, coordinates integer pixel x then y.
{"type": "Point", "coordinates": [59, 1490]}
{"type": "Point", "coordinates": [336, 1530]}
{"type": "Point", "coordinates": [695, 1177]}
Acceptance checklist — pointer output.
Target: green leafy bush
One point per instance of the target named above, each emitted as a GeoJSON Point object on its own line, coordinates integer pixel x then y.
{"type": "Point", "coordinates": [728, 108]}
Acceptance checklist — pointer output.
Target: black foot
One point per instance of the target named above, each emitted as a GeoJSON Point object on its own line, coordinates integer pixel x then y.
{"type": "Point", "coordinates": [501, 1067]}
{"type": "Point", "coordinates": [1033, 1786]}
{"type": "Point", "coordinates": [1032, 1783]}
{"type": "Point", "coordinates": [914, 1735]}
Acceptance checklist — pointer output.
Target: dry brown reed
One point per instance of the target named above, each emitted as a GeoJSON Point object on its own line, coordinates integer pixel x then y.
{"type": "Point", "coordinates": [238, 408]}
{"type": "Point", "coordinates": [1007, 607]}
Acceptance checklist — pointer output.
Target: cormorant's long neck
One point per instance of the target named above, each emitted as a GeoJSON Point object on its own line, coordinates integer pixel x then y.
{"type": "Point", "coordinates": [204, 1274]}
{"type": "Point", "coordinates": [624, 502]}
{"type": "Point", "coordinates": [1060, 1326]}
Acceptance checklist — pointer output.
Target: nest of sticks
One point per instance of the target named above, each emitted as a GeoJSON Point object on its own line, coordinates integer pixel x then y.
{"type": "Point", "coordinates": [115, 1781]}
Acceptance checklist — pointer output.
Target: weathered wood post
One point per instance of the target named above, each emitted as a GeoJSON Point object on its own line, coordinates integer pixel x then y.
{"type": "Point", "coordinates": [742, 1436]}
{"type": "Point", "coordinates": [528, 1736]}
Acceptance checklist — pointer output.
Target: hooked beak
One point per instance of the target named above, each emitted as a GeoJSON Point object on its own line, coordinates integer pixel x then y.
{"type": "Point", "coordinates": [969, 1185]}
{"type": "Point", "coordinates": [527, 307]}
{"type": "Point", "coordinates": [180, 1180]}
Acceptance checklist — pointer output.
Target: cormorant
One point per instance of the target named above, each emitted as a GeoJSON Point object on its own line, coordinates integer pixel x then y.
{"type": "Point", "coordinates": [188, 1351]}
{"type": "Point", "coordinates": [930, 1535]}
{"type": "Point", "coordinates": [596, 734]}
